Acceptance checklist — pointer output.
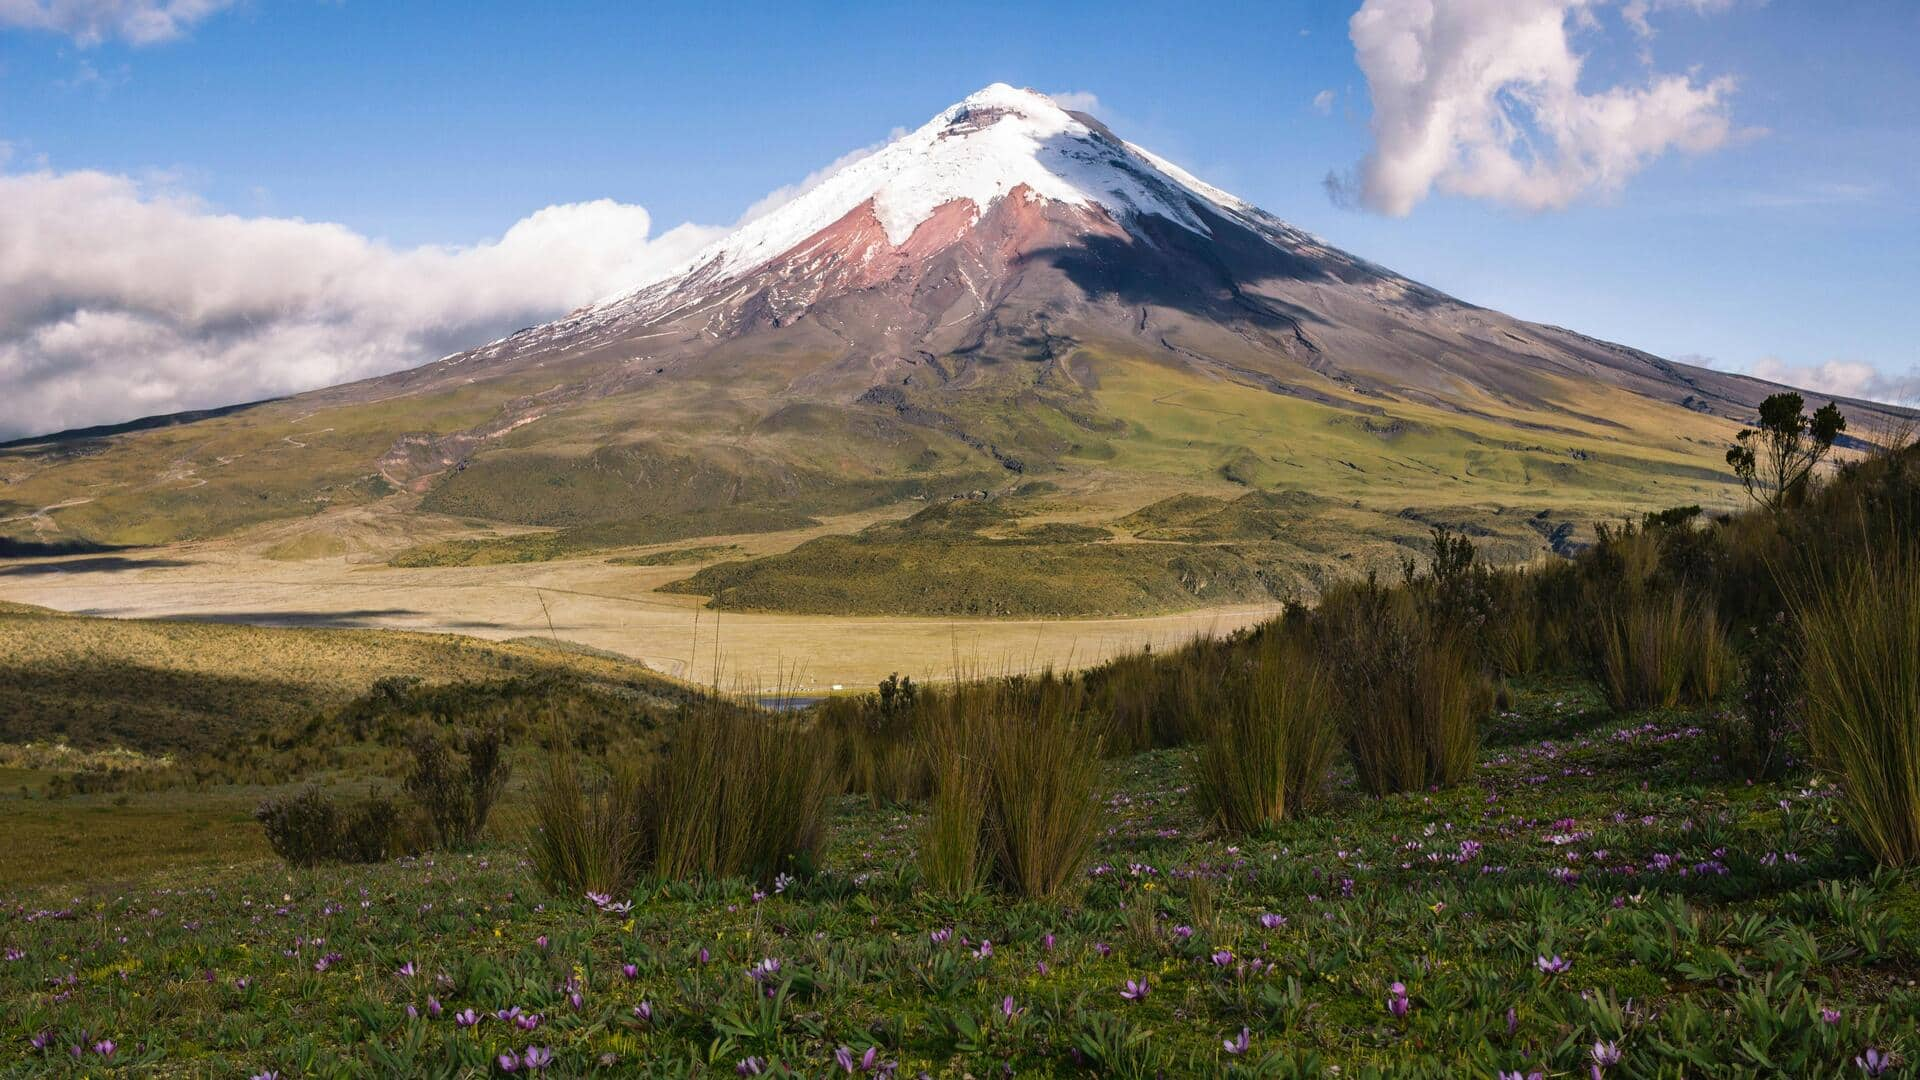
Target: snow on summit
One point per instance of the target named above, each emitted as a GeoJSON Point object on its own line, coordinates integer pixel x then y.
{"type": "Point", "coordinates": [979, 150]}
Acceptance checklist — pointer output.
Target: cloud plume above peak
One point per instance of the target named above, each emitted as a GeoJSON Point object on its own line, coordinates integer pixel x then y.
{"type": "Point", "coordinates": [117, 301]}
{"type": "Point", "coordinates": [1482, 98]}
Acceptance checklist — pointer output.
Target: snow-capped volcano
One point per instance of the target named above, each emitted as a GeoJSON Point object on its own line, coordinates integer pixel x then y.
{"type": "Point", "coordinates": [927, 189]}
{"type": "Point", "coordinates": [1011, 291]}
{"type": "Point", "coordinates": [971, 281]}
{"type": "Point", "coordinates": [982, 149]}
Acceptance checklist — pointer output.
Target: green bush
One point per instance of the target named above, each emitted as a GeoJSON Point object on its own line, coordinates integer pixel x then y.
{"type": "Point", "coordinates": [1267, 751]}
{"type": "Point", "coordinates": [1860, 629]}
{"type": "Point", "coordinates": [456, 786]}
{"type": "Point", "coordinates": [307, 829]}
{"type": "Point", "coordinates": [1406, 687]}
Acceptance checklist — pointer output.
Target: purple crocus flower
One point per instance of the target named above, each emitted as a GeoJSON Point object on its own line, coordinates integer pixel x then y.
{"type": "Point", "coordinates": [643, 1012]}
{"type": "Point", "coordinates": [433, 1007]}
{"type": "Point", "coordinates": [537, 1057]}
{"type": "Point", "coordinates": [105, 1048]}
{"type": "Point", "coordinates": [1271, 921]}
{"type": "Point", "coordinates": [1237, 1046]}
{"type": "Point", "coordinates": [1136, 990]}
{"type": "Point", "coordinates": [1551, 965]}
{"type": "Point", "coordinates": [752, 1066]}
{"type": "Point", "coordinates": [631, 971]}
{"type": "Point", "coordinates": [508, 1061]}
{"type": "Point", "coordinates": [1397, 1002]}
{"type": "Point", "coordinates": [844, 1056]}
{"type": "Point", "coordinates": [466, 1018]}
{"type": "Point", "coordinates": [1873, 1062]}
{"type": "Point", "coordinates": [1829, 1016]}
{"type": "Point", "coordinates": [1223, 958]}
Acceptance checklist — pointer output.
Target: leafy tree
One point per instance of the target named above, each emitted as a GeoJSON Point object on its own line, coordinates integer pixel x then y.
{"type": "Point", "coordinates": [1775, 458]}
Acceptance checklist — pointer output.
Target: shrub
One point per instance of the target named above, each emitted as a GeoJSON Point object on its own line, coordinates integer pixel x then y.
{"type": "Point", "coordinates": [1268, 750]}
{"type": "Point", "coordinates": [1407, 690]}
{"type": "Point", "coordinates": [307, 829]}
{"type": "Point", "coordinates": [1754, 739]}
{"type": "Point", "coordinates": [368, 830]}
{"type": "Point", "coordinates": [301, 828]}
{"type": "Point", "coordinates": [1658, 652]}
{"type": "Point", "coordinates": [1860, 632]}
{"type": "Point", "coordinates": [590, 833]}
{"type": "Point", "coordinates": [874, 738]}
{"type": "Point", "coordinates": [457, 788]}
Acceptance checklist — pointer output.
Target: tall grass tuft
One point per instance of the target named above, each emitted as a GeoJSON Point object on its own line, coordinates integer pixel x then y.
{"type": "Point", "coordinates": [1018, 762]}
{"type": "Point", "coordinates": [591, 833]}
{"type": "Point", "coordinates": [1407, 688]}
{"type": "Point", "coordinates": [1860, 629]}
{"type": "Point", "coordinates": [1267, 751]}
{"type": "Point", "coordinates": [741, 793]}
{"type": "Point", "coordinates": [1658, 652]}
{"type": "Point", "coordinates": [734, 792]}
{"type": "Point", "coordinates": [955, 855]}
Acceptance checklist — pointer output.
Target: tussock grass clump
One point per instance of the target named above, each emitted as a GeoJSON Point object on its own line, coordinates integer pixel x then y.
{"type": "Point", "coordinates": [735, 792]}
{"type": "Point", "coordinates": [1658, 652]}
{"type": "Point", "coordinates": [1860, 628]}
{"type": "Point", "coordinates": [955, 845]}
{"type": "Point", "coordinates": [1406, 686]}
{"type": "Point", "coordinates": [1267, 751]}
{"type": "Point", "coordinates": [1155, 700]}
{"type": "Point", "coordinates": [741, 793]}
{"type": "Point", "coordinates": [1018, 765]}
{"type": "Point", "coordinates": [593, 833]}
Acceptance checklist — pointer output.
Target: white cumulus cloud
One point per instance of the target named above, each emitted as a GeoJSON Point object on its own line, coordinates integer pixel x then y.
{"type": "Point", "coordinates": [90, 22]}
{"type": "Point", "coordinates": [1482, 98]}
{"type": "Point", "coordinates": [118, 300]}
{"type": "Point", "coordinates": [1842, 378]}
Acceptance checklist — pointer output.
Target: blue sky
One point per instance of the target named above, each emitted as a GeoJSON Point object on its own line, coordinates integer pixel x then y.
{"type": "Point", "coordinates": [1791, 242]}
